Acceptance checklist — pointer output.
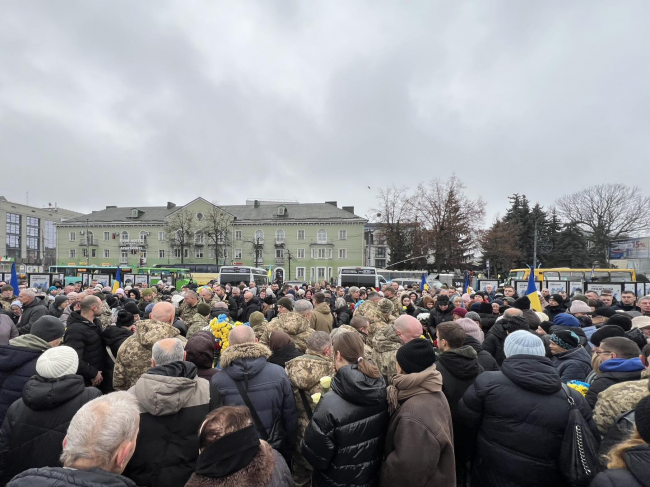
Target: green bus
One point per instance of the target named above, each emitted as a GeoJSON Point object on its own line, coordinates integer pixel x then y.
{"type": "Point", "coordinates": [179, 277]}
{"type": "Point", "coordinates": [75, 273]}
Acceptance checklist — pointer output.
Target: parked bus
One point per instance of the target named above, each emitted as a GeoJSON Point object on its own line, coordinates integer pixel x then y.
{"type": "Point", "coordinates": [201, 273]}
{"type": "Point", "coordinates": [74, 273]}
{"type": "Point", "coordinates": [568, 274]}
{"type": "Point", "coordinates": [234, 275]}
{"type": "Point", "coordinates": [178, 277]}
{"type": "Point", "coordinates": [360, 276]}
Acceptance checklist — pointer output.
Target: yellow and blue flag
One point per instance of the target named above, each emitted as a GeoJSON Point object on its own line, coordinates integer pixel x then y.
{"type": "Point", "coordinates": [14, 277]}
{"type": "Point", "coordinates": [270, 273]}
{"type": "Point", "coordinates": [466, 284]}
{"type": "Point", "coordinates": [117, 282]}
{"type": "Point", "coordinates": [423, 285]}
{"type": "Point", "coordinates": [531, 292]}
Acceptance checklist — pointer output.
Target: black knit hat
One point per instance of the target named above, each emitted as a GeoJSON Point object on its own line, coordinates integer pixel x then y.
{"type": "Point", "coordinates": [546, 326]}
{"type": "Point", "coordinates": [642, 418]}
{"type": "Point", "coordinates": [415, 356]}
{"type": "Point", "coordinates": [557, 298]}
{"type": "Point", "coordinates": [522, 303]}
{"type": "Point", "coordinates": [442, 300]}
{"type": "Point", "coordinates": [605, 311]}
{"type": "Point", "coordinates": [565, 339]}
{"type": "Point", "coordinates": [622, 320]}
{"type": "Point", "coordinates": [48, 328]}
{"type": "Point", "coordinates": [132, 308]}
{"type": "Point", "coordinates": [606, 331]}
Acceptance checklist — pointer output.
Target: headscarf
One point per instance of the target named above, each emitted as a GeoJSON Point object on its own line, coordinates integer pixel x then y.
{"type": "Point", "coordinates": [278, 339]}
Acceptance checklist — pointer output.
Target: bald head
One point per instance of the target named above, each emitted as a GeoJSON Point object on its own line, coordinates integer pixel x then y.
{"type": "Point", "coordinates": [512, 312]}
{"type": "Point", "coordinates": [242, 334]}
{"type": "Point", "coordinates": [164, 312]}
{"type": "Point", "coordinates": [407, 328]}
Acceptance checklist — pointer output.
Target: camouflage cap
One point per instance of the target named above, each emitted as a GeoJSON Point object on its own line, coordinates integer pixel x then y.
{"type": "Point", "coordinates": [386, 305]}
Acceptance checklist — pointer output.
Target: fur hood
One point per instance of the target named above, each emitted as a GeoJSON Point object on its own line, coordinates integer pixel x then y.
{"type": "Point", "coordinates": [243, 350]}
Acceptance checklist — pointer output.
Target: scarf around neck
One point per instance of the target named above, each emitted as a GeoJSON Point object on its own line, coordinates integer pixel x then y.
{"type": "Point", "coordinates": [406, 386]}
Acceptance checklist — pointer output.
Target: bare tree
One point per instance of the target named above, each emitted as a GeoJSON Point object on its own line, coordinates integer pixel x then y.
{"type": "Point", "coordinates": [181, 227]}
{"type": "Point", "coordinates": [606, 212]}
{"type": "Point", "coordinates": [395, 219]}
{"type": "Point", "coordinates": [216, 227]}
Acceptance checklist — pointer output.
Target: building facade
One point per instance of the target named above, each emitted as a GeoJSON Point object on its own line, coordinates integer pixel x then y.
{"type": "Point", "coordinates": [29, 233]}
{"type": "Point", "coordinates": [377, 251]}
{"type": "Point", "coordinates": [306, 242]}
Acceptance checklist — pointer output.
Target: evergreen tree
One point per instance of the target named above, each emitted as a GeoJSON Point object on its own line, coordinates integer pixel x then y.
{"type": "Point", "coordinates": [572, 248]}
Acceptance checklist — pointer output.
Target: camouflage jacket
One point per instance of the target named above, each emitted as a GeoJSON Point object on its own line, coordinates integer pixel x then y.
{"type": "Point", "coordinates": [373, 314]}
{"type": "Point", "coordinates": [134, 356]}
{"type": "Point", "coordinates": [106, 318]}
{"type": "Point", "coordinates": [294, 325]}
{"type": "Point", "coordinates": [6, 302]}
{"type": "Point", "coordinates": [385, 345]}
{"type": "Point", "coordinates": [197, 323]}
{"type": "Point", "coordinates": [397, 307]}
{"type": "Point", "coordinates": [619, 399]}
{"type": "Point", "coordinates": [367, 349]}
{"type": "Point", "coordinates": [305, 373]}
{"type": "Point", "coordinates": [260, 330]}
{"type": "Point", "coordinates": [215, 299]}
{"type": "Point", "coordinates": [187, 312]}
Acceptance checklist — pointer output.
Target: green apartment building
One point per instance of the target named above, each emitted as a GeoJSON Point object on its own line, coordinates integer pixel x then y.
{"type": "Point", "coordinates": [306, 242]}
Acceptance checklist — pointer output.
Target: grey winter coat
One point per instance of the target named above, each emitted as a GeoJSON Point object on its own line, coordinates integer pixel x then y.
{"type": "Point", "coordinates": [573, 364]}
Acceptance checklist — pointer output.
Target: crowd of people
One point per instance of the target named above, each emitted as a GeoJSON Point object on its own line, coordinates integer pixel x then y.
{"type": "Point", "coordinates": [321, 385]}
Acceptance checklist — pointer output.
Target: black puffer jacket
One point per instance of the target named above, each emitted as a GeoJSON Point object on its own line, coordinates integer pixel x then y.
{"type": "Point", "coordinates": [283, 355]}
{"type": "Point", "coordinates": [343, 316]}
{"type": "Point", "coordinates": [485, 360]}
{"type": "Point", "coordinates": [522, 413]}
{"type": "Point", "coordinates": [64, 477]}
{"type": "Point", "coordinates": [35, 426]}
{"type": "Point", "coordinates": [637, 473]}
{"type": "Point", "coordinates": [344, 441]}
{"type": "Point", "coordinates": [86, 338]}
{"type": "Point", "coordinates": [437, 316]}
{"type": "Point", "coordinates": [487, 321]}
{"type": "Point", "coordinates": [573, 364]}
{"type": "Point", "coordinates": [494, 341]}
{"type": "Point", "coordinates": [249, 308]}
{"type": "Point", "coordinates": [31, 312]}
{"type": "Point", "coordinates": [459, 368]}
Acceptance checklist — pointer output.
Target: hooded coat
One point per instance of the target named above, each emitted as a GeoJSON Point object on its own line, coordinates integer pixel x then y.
{"type": "Point", "coordinates": [614, 371]}
{"type": "Point", "coordinates": [385, 344]}
{"type": "Point", "coordinates": [31, 312]}
{"type": "Point", "coordinates": [200, 351]}
{"type": "Point", "coordinates": [17, 365]}
{"type": "Point", "coordinates": [437, 316]}
{"type": "Point", "coordinates": [344, 441]}
{"type": "Point", "coordinates": [8, 330]}
{"type": "Point", "coordinates": [134, 356]}
{"type": "Point", "coordinates": [573, 364]}
{"type": "Point", "coordinates": [35, 426]}
{"type": "Point", "coordinates": [637, 473]}
{"type": "Point", "coordinates": [422, 423]}
{"type": "Point", "coordinates": [267, 385]}
{"type": "Point", "coordinates": [485, 360]}
{"type": "Point", "coordinates": [65, 477]}
{"type": "Point", "coordinates": [294, 325]}
{"type": "Point", "coordinates": [86, 339]}
{"type": "Point", "coordinates": [173, 404]}
{"type": "Point", "coordinates": [321, 318]}
{"type": "Point", "coordinates": [494, 341]}
{"type": "Point", "coordinates": [521, 414]}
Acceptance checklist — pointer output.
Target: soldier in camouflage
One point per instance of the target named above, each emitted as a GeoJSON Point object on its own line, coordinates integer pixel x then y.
{"type": "Point", "coordinates": [391, 295]}
{"type": "Point", "coordinates": [388, 340]}
{"type": "Point", "coordinates": [258, 324]}
{"type": "Point", "coordinates": [361, 326]}
{"type": "Point", "coordinates": [370, 310]}
{"type": "Point", "coordinates": [7, 297]}
{"type": "Point", "coordinates": [187, 308]}
{"type": "Point", "coordinates": [294, 325]}
{"type": "Point", "coordinates": [106, 318]}
{"type": "Point", "coordinates": [619, 399]}
{"type": "Point", "coordinates": [386, 308]}
{"type": "Point", "coordinates": [208, 297]}
{"type": "Point", "coordinates": [199, 321]}
{"type": "Point", "coordinates": [305, 373]}
{"type": "Point", "coordinates": [134, 356]}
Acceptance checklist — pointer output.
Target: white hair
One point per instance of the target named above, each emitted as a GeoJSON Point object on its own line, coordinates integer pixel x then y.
{"type": "Point", "coordinates": [29, 293]}
{"type": "Point", "coordinates": [302, 307]}
{"type": "Point", "coordinates": [163, 354]}
{"type": "Point", "coordinates": [99, 428]}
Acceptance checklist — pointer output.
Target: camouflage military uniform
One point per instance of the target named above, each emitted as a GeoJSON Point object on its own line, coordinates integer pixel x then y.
{"type": "Point", "coordinates": [197, 323]}
{"type": "Point", "coordinates": [619, 399]}
{"type": "Point", "coordinates": [294, 325]}
{"type": "Point", "coordinates": [385, 345]}
{"type": "Point", "coordinates": [215, 299]}
{"type": "Point", "coordinates": [367, 349]}
{"type": "Point", "coordinates": [187, 312]}
{"type": "Point", "coordinates": [106, 318]}
{"type": "Point", "coordinates": [6, 302]}
{"type": "Point", "coordinates": [397, 306]}
{"type": "Point", "coordinates": [373, 314]}
{"type": "Point", "coordinates": [305, 373]}
{"type": "Point", "coordinates": [134, 356]}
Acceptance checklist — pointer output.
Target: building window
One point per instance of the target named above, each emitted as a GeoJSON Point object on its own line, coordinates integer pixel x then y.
{"type": "Point", "coordinates": [322, 236]}
{"type": "Point", "coordinates": [279, 236]}
{"type": "Point", "coordinates": [124, 256]}
{"type": "Point", "coordinates": [321, 272]}
{"type": "Point", "coordinates": [107, 254]}
{"type": "Point", "coordinates": [33, 233]}
{"type": "Point", "coordinates": [199, 216]}
{"type": "Point", "coordinates": [329, 273]}
{"type": "Point", "coordinates": [13, 235]}
{"type": "Point", "coordinates": [186, 253]}
{"type": "Point", "coordinates": [199, 238]}
{"type": "Point", "coordinates": [161, 254]}
{"type": "Point", "coordinates": [198, 253]}
{"type": "Point", "coordinates": [300, 272]}
{"type": "Point", "coordinates": [107, 236]}
{"type": "Point", "coordinates": [279, 253]}
{"type": "Point", "coordinates": [301, 235]}
{"type": "Point", "coordinates": [238, 253]}
{"type": "Point", "coordinates": [177, 253]}
{"type": "Point", "coordinates": [343, 234]}
{"type": "Point", "coordinates": [93, 252]}
{"type": "Point", "coordinates": [259, 235]}
{"type": "Point", "coordinates": [320, 253]}
{"type": "Point", "coordinates": [380, 252]}
{"type": "Point", "coordinates": [343, 254]}
{"type": "Point", "coordinates": [50, 235]}
{"type": "Point", "coordinates": [237, 234]}
{"type": "Point", "coordinates": [73, 253]}
{"type": "Point", "coordinates": [72, 236]}
{"type": "Point", "coordinates": [143, 236]}
{"type": "Point", "coordinates": [124, 236]}
{"type": "Point", "coordinates": [84, 253]}
{"type": "Point", "coordinates": [134, 213]}
{"type": "Point", "coordinates": [143, 254]}
{"type": "Point", "coordinates": [281, 210]}
{"type": "Point", "coordinates": [301, 253]}
{"type": "Point", "coordinates": [312, 271]}
{"type": "Point", "coordinates": [380, 263]}
{"type": "Point", "coordinates": [330, 252]}
{"type": "Point", "coordinates": [221, 239]}
{"type": "Point", "coordinates": [161, 236]}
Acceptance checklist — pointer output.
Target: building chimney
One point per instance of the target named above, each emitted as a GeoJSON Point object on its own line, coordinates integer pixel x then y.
{"type": "Point", "coordinates": [170, 205]}
{"type": "Point", "coordinates": [333, 203]}
{"type": "Point", "coordinates": [256, 204]}
{"type": "Point", "coordinates": [349, 209]}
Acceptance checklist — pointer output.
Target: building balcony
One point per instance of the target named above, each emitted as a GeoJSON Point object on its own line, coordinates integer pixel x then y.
{"type": "Point", "coordinates": [279, 261]}
{"type": "Point", "coordinates": [328, 241]}
{"type": "Point", "coordinates": [279, 242]}
{"type": "Point", "coordinates": [88, 242]}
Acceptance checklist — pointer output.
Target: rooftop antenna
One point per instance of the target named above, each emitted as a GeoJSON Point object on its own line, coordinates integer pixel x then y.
{"type": "Point", "coordinates": [27, 198]}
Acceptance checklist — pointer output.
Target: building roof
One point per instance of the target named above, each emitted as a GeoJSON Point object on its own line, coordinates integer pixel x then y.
{"type": "Point", "coordinates": [304, 211]}
{"type": "Point", "coordinates": [123, 214]}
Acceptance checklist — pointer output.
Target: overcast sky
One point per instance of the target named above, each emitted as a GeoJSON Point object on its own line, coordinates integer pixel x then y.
{"type": "Point", "coordinates": [140, 102]}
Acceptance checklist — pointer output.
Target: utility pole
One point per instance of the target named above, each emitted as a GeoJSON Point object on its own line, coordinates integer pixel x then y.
{"type": "Point", "coordinates": [87, 244]}
{"type": "Point", "coordinates": [289, 259]}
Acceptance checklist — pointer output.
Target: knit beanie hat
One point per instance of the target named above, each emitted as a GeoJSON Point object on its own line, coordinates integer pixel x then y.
{"type": "Point", "coordinates": [566, 319]}
{"type": "Point", "coordinates": [641, 322]}
{"type": "Point", "coordinates": [386, 306]}
{"type": "Point", "coordinates": [132, 308]}
{"type": "Point", "coordinates": [285, 303]}
{"type": "Point", "coordinates": [606, 331]}
{"type": "Point", "coordinates": [565, 339]}
{"type": "Point", "coordinates": [459, 312]}
{"type": "Point", "coordinates": [60, 300]}
{"type": "Point", "coordinates": [416, 356]}
{"type": "Point", "coordinates": [605, 311]}
{"type": "Point", "coordinates": [474, 316]}
{"type": "Point", "coordinates": [48, 328]}
{"type": "Point", "coordinates": [485, 308]}
{"type": "Point", "coordinates": [622, 320]}
{"type": "Point", "coordinates": [642, 418]}
{"type": "Point", "coordinates": [203, 309]}
{"type": "Point", "coordinates": [579, 307]}
{"type": "Point", "coordinates": [510, 300]}
{"type": "Point", "coordinates": [256, 318]}
{"type": "Point", "coordinates": [580, 297]}
{"type": "Point", "coordinates": [522, 342]}
{"type": "Point", "coordinates": [557, 298]}
{"type": "Point", "coordinates": [470, 328]}
{"type": "Point", "coordinates": [546, 326]}
{"type": "Point", "coordinates": [17, 303]}
{"type": "Point", "coordinates": [57, 362]}
{"type": "Point", "coordinates": [7, 287]}
{"type": "Point", "coordinates": [146, 292]}
{"type": "Point", "coordinates": [522, 303]}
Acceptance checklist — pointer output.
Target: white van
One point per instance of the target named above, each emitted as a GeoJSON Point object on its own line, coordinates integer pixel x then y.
{"type": "Point", "coordinates": [234, 275]}
{"type": "Point", "coordinates": [360, 277]}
